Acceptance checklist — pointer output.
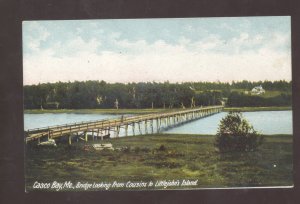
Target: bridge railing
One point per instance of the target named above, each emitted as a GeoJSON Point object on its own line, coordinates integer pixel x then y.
{"type": "Point", "coordinates": [95, 123]}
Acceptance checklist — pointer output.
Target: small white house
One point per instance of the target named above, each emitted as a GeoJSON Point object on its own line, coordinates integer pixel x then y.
{"type": "Point", "coordinates": [258, 90]}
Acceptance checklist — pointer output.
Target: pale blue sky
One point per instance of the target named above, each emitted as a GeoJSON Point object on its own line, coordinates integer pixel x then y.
{"type": "Point", "coordinates": [186, 49]}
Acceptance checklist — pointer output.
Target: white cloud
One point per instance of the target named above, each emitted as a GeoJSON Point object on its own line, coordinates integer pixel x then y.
{"type": "Point", "coordinates": [209, 43]}
{"type": "Point", "coordinates": [160, 61]}
{"type": "Point", "coordinates": [77, 46]}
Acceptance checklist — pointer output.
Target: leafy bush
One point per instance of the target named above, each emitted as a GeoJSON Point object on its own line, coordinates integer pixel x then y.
{"type": "Point", "coordinates": [236, 134]}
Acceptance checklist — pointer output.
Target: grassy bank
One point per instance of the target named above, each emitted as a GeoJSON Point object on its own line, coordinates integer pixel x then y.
{"type": "Point", "coordinates": [251, 109]}
{"type": "Point", "coordinates": [96, 111]}
{"type": "Point", "coordinates": [164, 157]}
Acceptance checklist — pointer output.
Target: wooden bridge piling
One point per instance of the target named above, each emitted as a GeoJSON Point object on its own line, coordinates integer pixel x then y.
{"type": "Point", "coordinates": [126, 130]}
{"type": "Point", "coordinates": [86, 136]}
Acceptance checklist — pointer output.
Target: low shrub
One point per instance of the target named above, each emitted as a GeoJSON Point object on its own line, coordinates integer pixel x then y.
{"type": "Point", "coordinates": [236, 134]}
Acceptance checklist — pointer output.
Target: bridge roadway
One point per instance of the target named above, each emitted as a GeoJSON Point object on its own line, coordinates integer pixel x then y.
{"type": "Point", "coordinates": [163, 119]}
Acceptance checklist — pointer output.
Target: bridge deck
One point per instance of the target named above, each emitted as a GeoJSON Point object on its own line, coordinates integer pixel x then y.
{"type": "Point", "coordinates": [62, 130]}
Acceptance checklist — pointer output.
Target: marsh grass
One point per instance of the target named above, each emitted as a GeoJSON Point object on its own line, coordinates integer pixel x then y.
{"type": "Point", "coordinates": [160, 157]}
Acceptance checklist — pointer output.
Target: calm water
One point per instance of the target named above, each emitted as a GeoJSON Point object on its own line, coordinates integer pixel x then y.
{"type": "Point", "coordinates": [266, 122]}
{"type": "Point", "coordinates": [32, 121]}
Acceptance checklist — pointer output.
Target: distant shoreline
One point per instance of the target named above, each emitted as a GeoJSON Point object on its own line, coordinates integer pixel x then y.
{"type": "Point", "coordinates": [95, 111]}
{"type": "Point", "coordinates": [147, 111]}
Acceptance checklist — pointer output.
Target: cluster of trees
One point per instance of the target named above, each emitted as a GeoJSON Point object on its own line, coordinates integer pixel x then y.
{"type": "Point", "coordinates": [236, 99]}
{"type": "Point", "coordinates": [99, 94]}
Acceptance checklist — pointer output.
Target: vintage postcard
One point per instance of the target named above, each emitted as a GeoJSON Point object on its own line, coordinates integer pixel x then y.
{"type": "Point", "coordinates": [157, 104]}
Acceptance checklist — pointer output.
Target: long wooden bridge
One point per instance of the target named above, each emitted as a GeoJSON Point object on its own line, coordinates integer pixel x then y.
{"type": "Point", "coordinates": [151, 123]}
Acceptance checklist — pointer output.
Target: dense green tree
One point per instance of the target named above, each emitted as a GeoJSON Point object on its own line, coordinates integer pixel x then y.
{"type": "Point", "coordinates": [236, 134]}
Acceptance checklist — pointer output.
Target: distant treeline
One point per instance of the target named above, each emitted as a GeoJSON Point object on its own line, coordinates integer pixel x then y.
{"type": "Point", "coordinates": [99, 94]}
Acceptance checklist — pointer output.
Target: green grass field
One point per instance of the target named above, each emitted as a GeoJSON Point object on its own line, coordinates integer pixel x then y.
{"type": "Point", "coordinates": [267, 94]}
{"type": "Point", "coordinates": [164, 157]}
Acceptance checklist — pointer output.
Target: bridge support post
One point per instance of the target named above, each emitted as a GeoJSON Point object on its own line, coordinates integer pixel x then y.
{"type": "Point", "coordinates": [146, 130]}
{"type": "Point", "coordinates": [133, 127]}
{"type": "Point", "coordinates": [117, 131]}
{"type": "Point", "coordinates": [106, 132]}
{"type": "Point", "coordinates": [140, 128]}
{"type": "Point", "coordinates": [97, 134]}
{"type": "Point", "coordinates": [86, 136]}
{"type": "Point", "coordinates": [126, 130]}
{"type": "Point", "coordinates": [102, 133]}
{"type": "Point", "coordinates": [70, 139]}
{"type": "Point", "coordinates": [151, 124]}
